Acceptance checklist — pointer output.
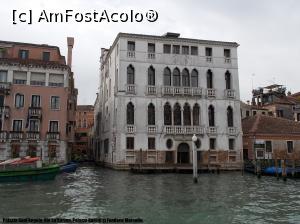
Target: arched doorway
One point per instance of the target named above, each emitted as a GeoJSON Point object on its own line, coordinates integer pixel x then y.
{"type": "Point", "coordinates": [183, 153]}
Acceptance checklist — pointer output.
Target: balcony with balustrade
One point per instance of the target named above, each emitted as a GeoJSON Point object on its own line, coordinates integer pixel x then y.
{"type": "Point", "coordinates": [4, 111]}
{"type": "Point", "coordinates": [151, 56]}
{"type": "Point", "coordinates": [211, 93]}
{"type": "Point", "coordinates": [181, 91]}
{"type": "Point", "coordinates": [211, 130]}
{"type": "Point", "coordinates": [183, 130]}
{"type": "Point", "coordinates": [131, 54]}
{"type": "Point", "coordinates": [229, 93]}
{"type": "Point", "coordinates": [16, 135]}
{"type": "Point", "coordinates": [231, 130]}
{"type": "Point", "coordinates": [5, 88]}
{"type": "Point", "coordinates": [3, 136]}
{"type": "Point", "coordinates": [151, 90]}
{"type": "Point", "coordinates": [130, 129]}
{"type": "Point", "coordinates": [33, 135]}
{"type": "Point", "coordinates": [152, 129]}
{"type": "Point", "coordinates": [130, 89]}
{"type": "Point", "coordinates": [227, 60]}
{"type": "Point", "coordinates": [53, 136]}
{"type": "Point", "coordinates": [35, 112]}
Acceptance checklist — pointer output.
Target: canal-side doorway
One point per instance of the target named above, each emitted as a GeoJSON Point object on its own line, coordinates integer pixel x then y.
{"type": "Point", "coordinates": [183, 153]}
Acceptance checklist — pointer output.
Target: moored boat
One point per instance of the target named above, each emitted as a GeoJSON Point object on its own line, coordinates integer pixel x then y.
{"type": "Point", "coordinates": [68, 168]}
{"type": "Point", "coordinates": [28, 173]}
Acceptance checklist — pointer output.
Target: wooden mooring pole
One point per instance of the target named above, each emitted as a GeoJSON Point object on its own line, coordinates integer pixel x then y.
{"type": "Point", "coordinates": [283, 164]}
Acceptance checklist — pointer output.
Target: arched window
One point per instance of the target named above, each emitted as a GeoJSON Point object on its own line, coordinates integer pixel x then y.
{"type": "Point", "coordinates": [130, 74]}
{"type": "Point", "coordinates": [194, 78]}
{"type": "Point", "coordinates": [196, 115]}
{"type": "Point", "coordinates": [151, 114]}
{"type": "Point", "coordinates": [167, 77]}
{"type": "Point", "coordinates": [211, 116]}
{"type": "Point", "coordinates": [228, 80]}
{"type": "Point", "coordinates": [209, 77]}
{"type": "Point", "coordinates": [167, 114]}
{"type": "Point", "coordinates": [229, 116]}
{"type": "Point", "coordinates": [177, 114]}
{"type": "Point", "coordinates": [151, 76]}
{"type": "Point", "coordinates": [176, 77]}
{"type": "Point", "coordinates": [185, 77]}
{"type": "Point", "coordinates": [186, 114]}
{"type": "Point", "coordinates": [130, 113]}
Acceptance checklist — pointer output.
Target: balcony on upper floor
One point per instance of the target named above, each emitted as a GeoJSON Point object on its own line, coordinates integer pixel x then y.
{"type": "Point", "coordinates": [229, 93]}
{"type": "Point", "coordinates": [181, 91]}
{"type": "Point", "coordinates": [130, 89]}
{"type": "Point", "coordinates": [211, 93]}
{"type": "Point", "coordinates": [231, 130]}
{"type": "Point", "coordinates": [131, 54]}
{"type": "Point", "coordinates": [4, 111]}
{"type": "Point", "coordinates": [151, 90]}
{"type": "Point", "coordinates": [183, 130]}
{"type": "Point", "coordinates": [151, 55]}
{"type": "Point", "coordinates": [53, 136]}
{"type": "Point", "coordinates": [33, 135]}
{"type": "Point", "coordinates": [16, 135]}
{"type": "Point", "coordinates": [5, 88]}
{"type": "Point", "coordinates": [3, 136]}
{"type": "Point", "coordinates": [130, 129]}
{"type": "Point", "coordinates": [35, 112]}
{"type": "Point", "coordinates": [212, 130]}
{"type": "Point", "coordinates": [152, 129]}
{"type": "Point", "coordinates": [227, 60]}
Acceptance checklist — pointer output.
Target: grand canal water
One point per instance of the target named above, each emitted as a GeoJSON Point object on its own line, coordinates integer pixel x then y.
{"type": "Point", "coordinates": [94, 192]}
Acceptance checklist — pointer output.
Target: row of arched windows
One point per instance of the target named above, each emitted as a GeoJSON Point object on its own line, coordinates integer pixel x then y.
{"type": "Point", "coordinates": [185, 116]}
{"type": "Point", "coordinates": [177, 78]}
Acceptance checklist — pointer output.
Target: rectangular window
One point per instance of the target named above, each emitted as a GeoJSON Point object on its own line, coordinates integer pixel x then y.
{"type": "Point", "coordinates": [19, 77]}
{"type": "Point", "coordinates": [2, 52]}
{"type": "Point", "coordinates": [208, 52]}
{"type": "Point", "coordinates": [23, 54]}
{"type": "Point", "coordinates": [37, 79]}
{"type": "Point", "coordinates": [185, 50]}
{"type": "Point", "coordinates": [176, 49]}
{"type": "Point", "coordinates": [55, 102]}
{"type": "Point", "coordinates": [106, 145]}
{"type": "Point", "coordinates": [35, 101]}
{"type": "Point", "coordinates": [194, 50]}
{"type": "Point", "coordinates": [151, 48]}
{"type": "Point", "coordinates": [212, 143]}
{"type": "Point", "coordinates": [227, 53]}
{"type": "Point", "coordinates": [167, 49]}
{"type": "Point", "coordinates": [1, 102]}
{"type": "Point", "coordinates": [231, 144]}
{"type": "Point", "coordinates": [290, 146]}
{"type": "Point", "coordinates": [151, 143]}
{"type": "Point", "coordinates": [254, 112]}
{"type": "Point", "coordinates": [268, 146]}
{"type": "Point", "coordinates": [19, 100]}
{"type": "Point", "coordinates": [46, 56]}
{"type": "Point", "coordinates": [3, 76]}
{"type": "Point", "coordinates": [247, 113]}
{"type": "Point", "coordinates": [17, 125]}
{"type": "Point", "coordinates": [130, 143]}
{"type": "Point", "coordinates": [56, 80]}
{"type": "Point", "coordinates": [131, 46]}
{"type": "Point", "coordinates": [53, 126]}
{"type": "Point", "coordinates": [279, 113]}
{"type": "Point", "coordinates": [34, 125]}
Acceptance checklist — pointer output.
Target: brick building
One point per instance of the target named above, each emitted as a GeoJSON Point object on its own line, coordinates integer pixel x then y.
{"type": "Point", "coordinates": [84, 123]}
{"type": "Point", "coordinates": [37, 101]}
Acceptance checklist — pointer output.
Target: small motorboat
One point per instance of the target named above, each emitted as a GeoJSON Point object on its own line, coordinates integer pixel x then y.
{"type": "Point", "coordinates": [271, 170]}
{"type": "Point", "coordinates": [69, 167]}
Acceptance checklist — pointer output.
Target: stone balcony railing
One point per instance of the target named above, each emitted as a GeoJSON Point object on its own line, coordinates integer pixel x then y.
{"type": "Point", "coordinates": [33, 135]}
{"type": "Point", "coordinates": [151, 90]}
{"type": "Point", "coordinates": [227, 60]}
{"type": "Point", "coordinates": [229, 93]}
{"type": "Point", "coordinates": [151, 55]}
{"type": "Point", "coordinates": [35, 112]}
{"type": "Point", "coordinates": [53, 136]}
{"type": "Point", "coordinates": [3, 135]}
{"type": "Point", "coordinates": [130, 89]}
{"type": "Point", "coordinates": [4, 110]}
{"type": "Point", "coordinates": [151, 129]}
{"type": "Point", "coordinates": [131, 54]}
{"type": "Point", "coordinates": [232, 130]}
{"type": "Point", "coordinates": [16, 135]}
{"type": "Point", "coordinates": [186, 91]}
{"type": "Point", "coordinates": [5, 87]}
{"type": "Point", "coordinates": [211, 93]}
{"type": "Point", "coordinates": [208, 59]}
{"type": "Point", "coordinates": [130, 129]}
{"type": "Point", "coordinates": [211, 130]}
{"type": "Point", "coordinates": [176, 129]}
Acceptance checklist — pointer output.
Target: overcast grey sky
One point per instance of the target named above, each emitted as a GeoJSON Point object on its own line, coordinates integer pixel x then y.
{"type": "Point", "coordinates": [268, 32]}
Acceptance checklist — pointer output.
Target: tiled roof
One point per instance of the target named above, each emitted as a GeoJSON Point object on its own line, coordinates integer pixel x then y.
{"type": "Point", "coordinates": [263, 124]}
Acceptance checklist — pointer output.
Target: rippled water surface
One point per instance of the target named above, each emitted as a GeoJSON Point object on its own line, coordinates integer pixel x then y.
{"type": "Point", "coordinates": [94, 192]}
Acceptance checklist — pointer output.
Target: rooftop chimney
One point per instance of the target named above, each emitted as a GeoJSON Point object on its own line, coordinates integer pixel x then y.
{"type": "Point", "coordinates": [70, 41]}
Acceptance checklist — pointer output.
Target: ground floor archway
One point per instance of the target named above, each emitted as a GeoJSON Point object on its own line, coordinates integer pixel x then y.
{"type": "Point", "coordinates": [183, 153]}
